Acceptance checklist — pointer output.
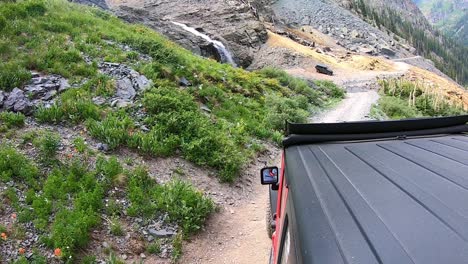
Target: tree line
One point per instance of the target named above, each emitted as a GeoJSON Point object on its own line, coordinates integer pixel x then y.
{"type": "Point", "coordinates": [448, 55]}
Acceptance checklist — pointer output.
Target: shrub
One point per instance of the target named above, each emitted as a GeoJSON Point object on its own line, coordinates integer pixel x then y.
{"type": "Point", "coordinates": [12, 75]}
{"type": "Point", "coordinates": [80, 145]}
{"type": "Point", "coordinates": [113, 130]}
{"type": "Point", "coordinates": [14, 165]}
{"type": "Point", "coordinates": [154, 248]}
{"type": "Point", "coordinates": [404, 99]}
{"type": "Point", "coordinates": [397, 108]}
{"type": "Point", "coordinates": [331, 89]}
{"type": "Point", "coordinates": [70, 230]}
{"type": "Point", "coordinates": [284, 109]}
{"type": "Point", "coordinates": [53, 114]}
{"type": "Point", "coordinates": [116, 228]}
{"type": "Point", "coordinates": [48, 145]}
{"type": "Point", "coordinates": [74, 105]}
{"type": "Point", "coordinates": [12, 119]}
{"type": "Point", "coordinates": [184, 204]}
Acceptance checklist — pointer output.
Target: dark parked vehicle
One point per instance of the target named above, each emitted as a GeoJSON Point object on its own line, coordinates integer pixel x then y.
{"type": "Point", "coordinates": [323, 69]}
{"type": "Point", "coordinates": [371, 192]}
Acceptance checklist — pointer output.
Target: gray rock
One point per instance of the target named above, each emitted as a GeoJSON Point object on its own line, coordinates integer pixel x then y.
{"type": "Point", "coordinates": [385, 50]}
{"type": "Point", "coordinates": [102, 147]}
{"type": "Point", "coordinates": [2, 98]}
{"type": "Point", "coordinates": [184, 82]}
{"type": "Point", "coordinates": [49, 95]}
{"type": "Point", "coordinates": [64, 85]}
{"type": "Point", "coordinates": [142, 255]}
{"type": "Point", "coordinates": [142, 83]}
{"type": "Point", "coordinates": [205, 108]}
{"type": "Point", "coordinates": [105, 244]}
{"type": "Point", "coordinates": [35, 74]}
{"type": "Point", "coordinates": [98, 100]}
{"type": "Point", "coordinates": [119, 103]}
{"type": "Point", "coordinates": [125, 89]}
{"type": "Point", "coordinates": [161, 233]}
{"type": "Point", "coordinates": [35, 91]}
{"type": "Point", "coordinates": [18, 102]}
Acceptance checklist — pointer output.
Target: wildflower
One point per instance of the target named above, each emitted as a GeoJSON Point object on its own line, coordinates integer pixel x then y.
{"type": "Point", "coordinates": [13, 216]}
{"type": "Point", "coordinates": [58, 252]}
{"type": "Point", "coordinates": [22, 251]}
{"type": "Point", "coordinates": [4, 236]}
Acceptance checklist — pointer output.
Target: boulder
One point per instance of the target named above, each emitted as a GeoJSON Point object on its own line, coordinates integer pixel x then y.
{"type": "Point", "coordinates": [161, 233]}
{"type": "Point", "coordinates": [125, 89]}
{"type": "Point", "coordinates": [120, 103]}
{"type": "Point", "coordinates": [184, 82]}
{"type": "Point", "coordinates": [18, 102]}
{"type": "Point", "coordinates": [385, 50]}
{"type": "Point", "coordinates": [141, 82]}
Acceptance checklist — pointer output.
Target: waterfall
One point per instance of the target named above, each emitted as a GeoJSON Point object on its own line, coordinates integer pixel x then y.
{"type": "Point", "coordinates": [222, 50]}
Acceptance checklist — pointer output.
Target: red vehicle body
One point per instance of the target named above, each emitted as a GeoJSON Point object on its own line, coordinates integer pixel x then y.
{"type": "Point", "coordinates": [282, 194]}
{"type": "Point", "coordinates": [371, 192]}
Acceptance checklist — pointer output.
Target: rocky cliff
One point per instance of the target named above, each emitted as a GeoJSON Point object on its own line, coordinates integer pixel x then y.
{"type": "Point", "coordinates": [234, 23]}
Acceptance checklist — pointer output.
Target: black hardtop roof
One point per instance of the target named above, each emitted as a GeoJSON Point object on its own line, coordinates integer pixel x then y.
{"type": "Point", "coordinates": [385, 201]}
{"type": "Point", "coordinates": [325, 132]}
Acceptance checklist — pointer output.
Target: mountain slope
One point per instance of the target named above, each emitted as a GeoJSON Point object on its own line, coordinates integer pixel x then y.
{"type": "Point", "coordinates": [110, 108]}
{"type": "Point", "coordinates": [449, 56]}
{"type": "Point", "coordinates": [450, 16]}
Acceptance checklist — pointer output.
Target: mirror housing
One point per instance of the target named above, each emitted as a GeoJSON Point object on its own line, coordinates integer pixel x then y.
{"type": "Point", "coordinates": [269, 176]}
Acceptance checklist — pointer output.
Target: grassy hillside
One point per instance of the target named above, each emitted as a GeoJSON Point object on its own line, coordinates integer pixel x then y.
{"type": "Point", "coordinates": [61, 190]}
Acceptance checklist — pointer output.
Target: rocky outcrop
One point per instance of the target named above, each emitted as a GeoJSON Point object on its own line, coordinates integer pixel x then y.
{"type": "Point", "coordinates": [42, 90]}
{"type": "Point", "coordinates": [234, 23]}
{"type": "Point", "coordinates": [347, 28]}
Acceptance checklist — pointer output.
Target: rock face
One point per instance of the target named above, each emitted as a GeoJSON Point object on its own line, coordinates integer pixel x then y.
{"type": "Point", "coordinates": [347, 28]}
{"type": "Point", "coordinates": [232, 22]}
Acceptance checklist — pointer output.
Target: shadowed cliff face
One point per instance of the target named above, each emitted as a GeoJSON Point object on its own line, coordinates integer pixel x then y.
{"type": "Point", "coordinates": [233, 23]}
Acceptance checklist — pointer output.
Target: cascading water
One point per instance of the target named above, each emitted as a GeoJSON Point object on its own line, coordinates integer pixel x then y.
{"type": "Point", "coordinates": [222, 50]}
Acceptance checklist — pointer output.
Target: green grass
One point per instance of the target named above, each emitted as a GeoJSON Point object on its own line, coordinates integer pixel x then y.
{"type": "Point", "coordinates": [183, 203]}
{"type": "Point", "coordinates": [154, 248]}
{"type": "Point", "coordinates": [12, 120]}
{"type": "Point", "coordinates": [244, 105]}
{"type": "Point", "coordinates": [67, 203]}
{"type": "Point", "coordinates": [405, 99]}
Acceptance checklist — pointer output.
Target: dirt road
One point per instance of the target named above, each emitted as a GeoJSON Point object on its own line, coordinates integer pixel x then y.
{"type": "Point", "coordinates": [355, 107]}
{"type": "Point", "coordinates": [236, 234]}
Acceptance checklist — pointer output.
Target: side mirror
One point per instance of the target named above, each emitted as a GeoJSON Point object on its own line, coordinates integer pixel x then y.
{"type": "Point", "coordinates": [269, 175]}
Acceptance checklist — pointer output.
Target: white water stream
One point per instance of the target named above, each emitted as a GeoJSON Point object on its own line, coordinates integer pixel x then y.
{"type": "Point", "coordinates": [226, 56]}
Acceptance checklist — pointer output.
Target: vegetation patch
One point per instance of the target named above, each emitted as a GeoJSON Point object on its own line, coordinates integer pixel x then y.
{"type": "Point", "coordinates": [214, 122]}
{"type": "Point", "coordinates": [401, 98]}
